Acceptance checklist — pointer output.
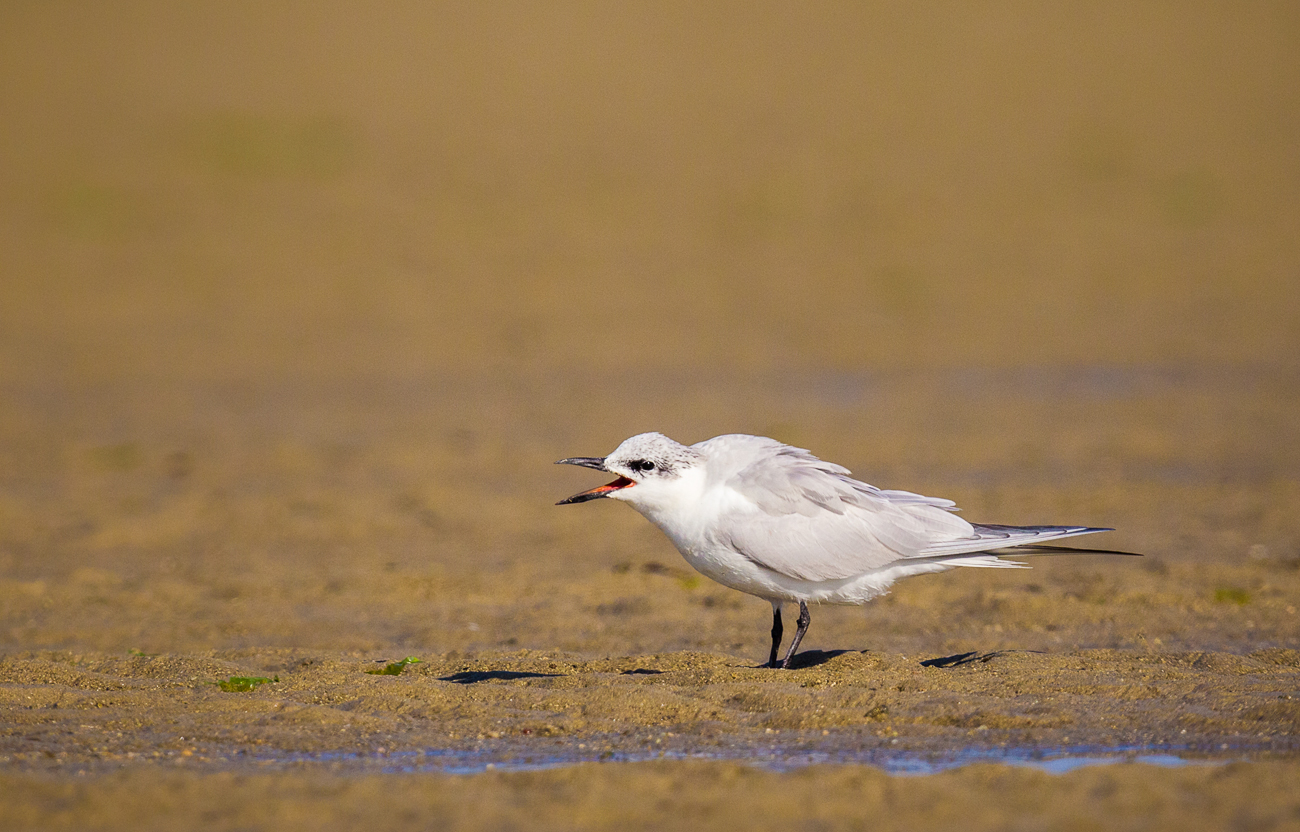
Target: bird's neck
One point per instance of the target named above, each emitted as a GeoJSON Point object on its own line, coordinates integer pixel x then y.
{"type": "Point", "coordinates": [677, 511]}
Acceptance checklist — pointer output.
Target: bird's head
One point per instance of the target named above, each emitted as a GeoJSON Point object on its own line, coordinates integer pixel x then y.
{"type": "Point", "coordinates": [650, 466]}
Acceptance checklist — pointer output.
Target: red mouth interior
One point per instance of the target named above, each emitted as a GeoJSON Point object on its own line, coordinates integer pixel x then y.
{"type": "Point", "coordinates": [616, 485]}
{"type": "Point", "coordinates": [600, 491]}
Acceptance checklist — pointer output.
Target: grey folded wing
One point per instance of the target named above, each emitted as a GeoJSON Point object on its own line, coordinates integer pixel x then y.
{"type": "Point", "coordinates": [809, 520]}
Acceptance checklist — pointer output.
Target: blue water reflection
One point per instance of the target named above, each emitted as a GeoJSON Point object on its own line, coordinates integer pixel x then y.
{"type": "Point", "coordinates": [899, 762]}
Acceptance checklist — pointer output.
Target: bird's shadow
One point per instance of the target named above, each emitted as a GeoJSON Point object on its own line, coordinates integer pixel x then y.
{"type": "Point", "coordinates": [808, 658]}
{"type": "Point", "coordinates": [970, 658]}
{"type": "Point", "coordinates": [473, 677]}
{"type": "Point", "coordinates": [813, 658]}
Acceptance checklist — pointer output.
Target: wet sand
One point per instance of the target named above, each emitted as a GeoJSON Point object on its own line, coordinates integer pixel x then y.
{"type": "Point", "coordinates": [554, 636]}
{"type": "Point", "coordinates": [295, 320]}
{"type": "Point", "coordinates": [681, 795]}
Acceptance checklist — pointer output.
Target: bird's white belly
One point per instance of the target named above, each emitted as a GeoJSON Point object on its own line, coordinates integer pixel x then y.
{"type": "Point", "coordinates": [732, 569]}
{"type": "Point", "coordinates": [729, 568]}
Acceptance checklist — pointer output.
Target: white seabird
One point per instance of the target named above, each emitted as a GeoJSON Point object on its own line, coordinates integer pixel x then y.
{"type": "Point", "coordinates": [775, 521]}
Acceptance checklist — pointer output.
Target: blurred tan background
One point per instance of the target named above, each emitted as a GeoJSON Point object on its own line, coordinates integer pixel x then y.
{"type": "Point", "coordinates": [322, 288]}
{"type": "Point", "coordinates": [330, 188]}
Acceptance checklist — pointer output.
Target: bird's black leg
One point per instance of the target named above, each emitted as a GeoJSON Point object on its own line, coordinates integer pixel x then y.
{"type": "Point", "coordinates": [804, 620]}
{"type": "Point", "coordinates": [777, 632]}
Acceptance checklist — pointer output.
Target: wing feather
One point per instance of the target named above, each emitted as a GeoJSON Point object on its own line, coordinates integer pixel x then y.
{"type": "Point", "coordinates": [800, 516]}
{"type": "Point", "coordinates": [987, 537]}
{"type": "Point", "coordinates": [808, 519]}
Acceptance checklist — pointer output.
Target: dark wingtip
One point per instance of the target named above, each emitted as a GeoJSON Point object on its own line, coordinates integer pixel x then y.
{"type": "Point", "coordinates": [1049, 549]}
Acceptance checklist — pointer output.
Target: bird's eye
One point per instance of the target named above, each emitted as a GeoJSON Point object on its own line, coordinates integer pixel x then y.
{"type": "Point", "coordinates": [643, 465]}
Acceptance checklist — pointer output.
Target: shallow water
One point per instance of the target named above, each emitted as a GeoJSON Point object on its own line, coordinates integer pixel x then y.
{"type": "Point", "coordinates": [772, 758]}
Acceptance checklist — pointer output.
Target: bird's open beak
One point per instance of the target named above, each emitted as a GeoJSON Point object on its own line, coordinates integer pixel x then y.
{"type": "Point", "coordinates": [596, 462]}
{"type": "Point", "coordinates": [600, 491]}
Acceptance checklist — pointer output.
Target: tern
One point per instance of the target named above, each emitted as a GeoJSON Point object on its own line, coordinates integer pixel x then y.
{"type": "Point", "coordinates": [776, 522]}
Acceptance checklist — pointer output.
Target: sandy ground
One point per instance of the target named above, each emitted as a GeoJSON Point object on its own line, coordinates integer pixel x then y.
{"type": "Point", "coordinates": [677, 795]}
{"type": "Point", "coordinates": [296, 313]}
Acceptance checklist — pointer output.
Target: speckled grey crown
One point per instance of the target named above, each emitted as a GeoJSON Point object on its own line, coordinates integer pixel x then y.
{"type": "Point", "coordinates": [667, 455]}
